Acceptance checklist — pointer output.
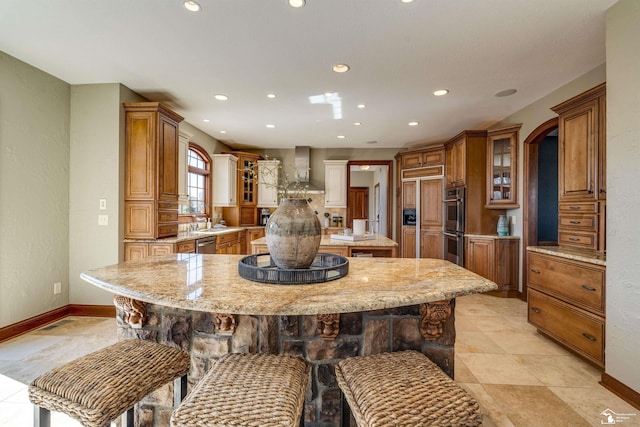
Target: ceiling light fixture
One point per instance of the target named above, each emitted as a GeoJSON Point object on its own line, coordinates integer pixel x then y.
{"type": "Point", "coordinates": [223, 131]}
{"type": "Point", "coordinates": [341, 137]}
{"type": "Point", "coordinates": [297, 3]}
{"type": "Point", "coordinates": [206, 120]}
{"type": "Point", "coordinates": [441, 92]}
{"type": "Point", "coordinates": [406, 1]}
{"type": "Point", "coordinates": [361, 106]}
{"type": "Point", "coordinates": [357, 124]}
{"type": "Point", "coordinates": [270, 126]}
{"type": "Point", "coordinates": [506, 92]}
{"type": "Point", "coordinates": [340, 68]}
{"type": "Point", "coordinates": [271, 95]}
{"type": "Point", "coordinates": [221, 97]}
{"type": "Point", "coordinates": [192, 6]}
{"type": "Point", "coordinates": [364, 167]}
{"type": "Point", "coordinates": [413, 123]}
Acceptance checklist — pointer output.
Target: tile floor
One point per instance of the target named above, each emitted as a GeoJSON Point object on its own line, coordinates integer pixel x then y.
{"type": "Point", "coordinates": [519, 377]}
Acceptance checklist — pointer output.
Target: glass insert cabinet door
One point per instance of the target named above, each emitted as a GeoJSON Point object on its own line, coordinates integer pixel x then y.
{"type": "Point", "coordinates": [502, 160]}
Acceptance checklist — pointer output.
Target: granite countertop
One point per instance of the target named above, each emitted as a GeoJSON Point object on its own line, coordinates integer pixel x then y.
{"type": "Point", "coordinates": [379, 241]}
{"type": "Point", "coordinates": [491, 236]}
{"type": "Point", "coordinates": [211, 283]}
{"type": "Point", "coordinates": [193, 235]}
{"type": "Point", "coordinates": [576, 255]}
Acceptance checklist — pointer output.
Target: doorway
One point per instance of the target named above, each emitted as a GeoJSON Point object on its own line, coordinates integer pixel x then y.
{"type": "Point", "coordinates": [358, 207]}
{"type": "Point", "coordinates": [540, 191]}
{"type": "Point", "coordinates": [377, 177]}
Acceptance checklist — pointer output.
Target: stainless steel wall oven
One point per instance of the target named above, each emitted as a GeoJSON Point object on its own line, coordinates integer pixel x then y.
{"type": "Point", "coordinates": [454, 225]}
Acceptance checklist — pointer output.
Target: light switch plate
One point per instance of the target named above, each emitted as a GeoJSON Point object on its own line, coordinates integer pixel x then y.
{"type": "Point", "coordinates": [103, 204]}
{"type": "Point", "coordinates": [103, 219]}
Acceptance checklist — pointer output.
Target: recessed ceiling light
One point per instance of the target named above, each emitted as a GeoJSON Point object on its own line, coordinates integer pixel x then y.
{"type": "Point", "coordinates": [221, 97]}
{"type": "Point", "coordinates": [413, 123]}
{"type": "Point", "coordinates": [206, 120]}
{"type": "Point", "coordinates": [506, 92]}
{"type": "Point", "coordinates": [361, 105]}
{"type": "Point", "coordinates": [340, 68]}
{"type": "Point", "coordinates": [406, 1]}
{"type": "Point", "coordinates": [341, 137]}
{"type": "Point", "coordinates": [297, 3]}
{"type": "Point", "coordinates": [271, 95]}
{"type": "Point", "coordinates": [223, 131]}
{"type": "Point", "coordinates": [270, 126]}
{"type": "Point", "coordinates": [441, 92]}
{"type": "Point", "coordinates": [192, 6]}
{"type": "Point", "coordinates": [357, 124]}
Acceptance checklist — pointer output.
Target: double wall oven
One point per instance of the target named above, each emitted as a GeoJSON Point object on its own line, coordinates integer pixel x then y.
{"type": "Point", "coordinates": [454, 226]}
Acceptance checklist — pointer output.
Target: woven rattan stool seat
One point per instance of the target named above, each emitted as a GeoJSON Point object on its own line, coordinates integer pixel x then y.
{"type": "Point", "coordinates": [404, 389]}
{"type": "Point", "coordinates": [247, 390]}
{"type": "Point", "coordinates": [98, 387]}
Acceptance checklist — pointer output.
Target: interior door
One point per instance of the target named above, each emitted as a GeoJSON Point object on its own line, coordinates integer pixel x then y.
{"type": "Point", "coordinates": [358, 207]}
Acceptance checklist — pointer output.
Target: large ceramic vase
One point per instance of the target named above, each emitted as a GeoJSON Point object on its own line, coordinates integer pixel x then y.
{"type": "Point", "coordinates": [293, 234]}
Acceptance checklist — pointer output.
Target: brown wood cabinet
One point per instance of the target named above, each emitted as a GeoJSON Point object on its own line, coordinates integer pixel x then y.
{"type": "Point", "coordinates": [567, 302]}
{"type": "Point", "coordinates": [466, 165]}
{"type": "Point", "coordinates": [421, 176]}
{"type": "Point", "coordinates": [497, 259]}
{"type": "Point", "coordinates": [253, 234]}
{"type": "Point", "coordinates": [137, 250]}
{"type": "Point", "coordinates": [582, 170]}
{"type": "Point", "coordinates": [502, 168]}
{"type": "Point", "coordinates": [151, 171]}
{"type": "Point", "coordinates": [245, 213]}
{"type": "Point", "coordinates": [230, 243]}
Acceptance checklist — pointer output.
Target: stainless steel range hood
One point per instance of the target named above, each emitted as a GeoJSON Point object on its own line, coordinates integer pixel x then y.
{"type": "Point", "coordinates": [301, 170]}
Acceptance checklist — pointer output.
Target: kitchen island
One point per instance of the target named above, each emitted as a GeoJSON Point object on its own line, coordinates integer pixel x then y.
{"type": "Point", "coordinates": [378, 246]}
{"type": "Point", "coordinates": [199, 303]}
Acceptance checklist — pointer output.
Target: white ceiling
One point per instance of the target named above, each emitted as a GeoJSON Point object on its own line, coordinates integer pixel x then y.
{"type": "Point", "coordinates": [398, 53]}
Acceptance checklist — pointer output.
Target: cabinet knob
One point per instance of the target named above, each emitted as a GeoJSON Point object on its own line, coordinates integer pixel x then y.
{"type": "Point", "coordinates": [589, 337]}
{"type": "Point", "coordinates": [535, 310]}
{"type": "Point", "coordinates": [602, 191]}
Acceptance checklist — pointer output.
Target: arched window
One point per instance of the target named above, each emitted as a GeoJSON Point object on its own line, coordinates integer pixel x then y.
{"type": "Point", "coordinates": [199, 181]}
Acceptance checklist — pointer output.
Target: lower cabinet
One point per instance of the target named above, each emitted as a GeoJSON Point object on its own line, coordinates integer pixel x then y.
{"type": "Point", "coordinates": [137, 250]}
{"type": "Point", "coordinates": [566, 300]}
{"type": "Point", "coordinates": [229, 243]}
{"type": "Point", "coordinates": [253, 234]}
{"type": "Point", "coordinates": [497, 259]}
{"type": "Point", "coordinates": [431, 245]}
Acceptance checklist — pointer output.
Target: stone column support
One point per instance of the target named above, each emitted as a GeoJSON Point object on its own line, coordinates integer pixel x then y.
{"type": "Point", "coordinates": [432, 318]}
{"type": "Point", "coordinates": [134, 311]}
{"type": "Point", "coordinates": [328, 326]}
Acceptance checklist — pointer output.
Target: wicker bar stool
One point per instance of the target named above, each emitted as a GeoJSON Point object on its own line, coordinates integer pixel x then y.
{"type": "Point", "coordinates": [95, 389]}
{"type": "Point", "coordinates": [247, 390]}
{"type": "Point", "coordinates": [404, 389]}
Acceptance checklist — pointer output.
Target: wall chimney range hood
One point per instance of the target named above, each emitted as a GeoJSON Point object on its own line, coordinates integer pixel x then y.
{"type": "Point", "coordinates": [301, 170]}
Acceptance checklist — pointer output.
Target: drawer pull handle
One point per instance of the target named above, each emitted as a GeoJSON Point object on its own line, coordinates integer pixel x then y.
{"type": "Point", "coordinates": [589, 288]}
{"type": "Point", "coordinates": [574, 222]}
{"type": "Point", "coordinates": [589, 337]}
{"type": "Point", "coordinates": [535, 271]}
{"type": "Point", "coordinates": [535, 310]}
{"type": "Point", "coordinates": [575, 208]}
{"type": "Point", "coordinates": [574, 239]}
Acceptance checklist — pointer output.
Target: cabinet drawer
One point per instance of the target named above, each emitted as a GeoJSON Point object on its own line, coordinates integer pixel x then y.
{"type": "Point", "coordinates": [186, 247]}
{"type": "Point", "coordinates": [167, 230]}
{"type": "Point", "coordinates": [168, 205]}
{"type": "Point", "coordinates": [579, 207]}
{"type": "Point", "coordinates": [167, 216]}
{"type": "Point", "coordinates": [574, 282]}
{"type": "Point", "coordinates": [579, 240]}
{"type": "Point", "coordinates": [573, 327]}
{"type": "Point", "coordinates": [586, 222]}
{"type": "Point", "coordinates": [227, 238]}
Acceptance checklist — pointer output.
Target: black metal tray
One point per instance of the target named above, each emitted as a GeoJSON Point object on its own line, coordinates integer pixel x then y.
{"type": "Point", "coordinates": [325, 267]}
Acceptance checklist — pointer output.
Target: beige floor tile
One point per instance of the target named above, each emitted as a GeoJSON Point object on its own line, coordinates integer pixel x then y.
{"type": "Point", "coordinates": [498, 369]}
{"type": "Point", "coordinates": [465, 323]}
{"type": "Point", "coordinates": [590, 402]}
{"type": "Point", "coordinates": [533, 406]}
{"type": "Point", "coordinates": [493, 324]}
{"type": "Point", "coordinates": [461, 373]}
{"type": "Point", "coordinates": [475, 342]}
{"type": "Point", "coordinates": [515, 342]}
{"type": "Point", "coordinates": [553, 370]}
{"type": "Point", "coordinates": [489, 407]}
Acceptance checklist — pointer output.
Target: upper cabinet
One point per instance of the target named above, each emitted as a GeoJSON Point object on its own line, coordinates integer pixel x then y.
{"type": "Point", "coordinates": [268, 171]}
{"type": "Point", "coordinates": [225, 173]}
{"type": "Point", "coordinates": [581, 146]}
{"type": "Point", "coordinates": [245, 210]}
{"type": "Point", "coordinates": [502, 168]}
{"type": "Point", "coordinates": [456, 162]}
{"type": "Point", "coordinates": [335, 182]}
{"type": "Point", "coordinates": [151, 171]}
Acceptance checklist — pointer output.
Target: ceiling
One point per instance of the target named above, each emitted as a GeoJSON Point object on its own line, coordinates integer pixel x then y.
{"type": "Point", "coordinates": [398, 54]}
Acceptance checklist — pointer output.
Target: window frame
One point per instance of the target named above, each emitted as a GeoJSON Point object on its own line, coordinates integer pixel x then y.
{"type": "Point", "coordinates": [207, 179]}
